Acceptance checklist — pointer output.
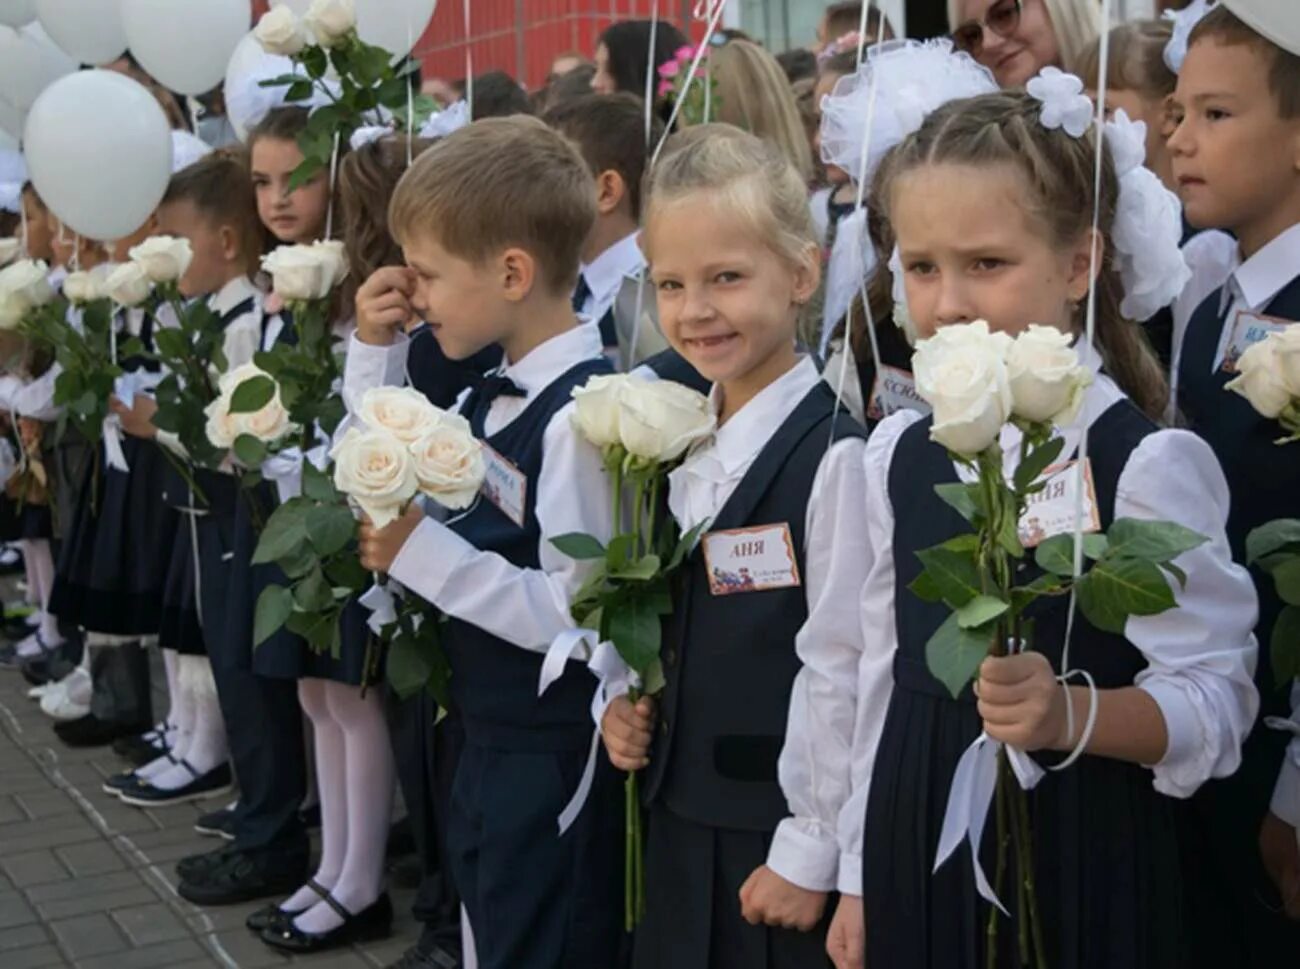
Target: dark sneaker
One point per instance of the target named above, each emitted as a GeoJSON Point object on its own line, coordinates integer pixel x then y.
{"type": "Point", "coordinates": [144, 794]}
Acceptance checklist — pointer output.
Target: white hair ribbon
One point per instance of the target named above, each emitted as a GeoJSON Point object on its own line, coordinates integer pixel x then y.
{"type": "Point", "coordinates": [444, 122]}
{"type": "Point", "coordinates": [1183, 20]}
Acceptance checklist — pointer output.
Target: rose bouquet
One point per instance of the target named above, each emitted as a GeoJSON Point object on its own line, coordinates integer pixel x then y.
{"type": "Point", "coordinates": [365, 86]}
{"type": "Point", "coordinates": [978, 382]}
{"type": "Point", "coordinates": [29, 311]}
{"type": "Point", "coordinates": [643, 429]}
{"type": "Point", "coordinates": [694, 96]}
{"type": "Point", "coordinates": [1268, 375]}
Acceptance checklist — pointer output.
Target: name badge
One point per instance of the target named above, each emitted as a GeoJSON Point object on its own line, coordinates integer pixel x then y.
{"type": "Point", "coordinates": [1248, 329]}
{"type": "Point", "coordinates": [892, 391]}
{"type": "Point", "coordinates": [750, 559]}
{"type": "Point", "coordinates": [1051, 511]}
{"type": "Point", "coordinates": [504, 485]}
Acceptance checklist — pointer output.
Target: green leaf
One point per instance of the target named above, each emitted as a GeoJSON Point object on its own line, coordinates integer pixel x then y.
{"type": "Point", "coordinates": [171, 344]}
{"type": "Point", "coordinates": [252, 395]}
{"type": "Point", "coordinates": [1036, 462]}
{"type": "Point", "coordinates": [1056, 555]}
{"type": "Point", "coordinates": [320, 629]}
{"type": "Point", "coordinates": [980, 611]}
{"type": "Point", "coordinates": [925, 588]}
{"type": "Point", "coordinates": [953, 654]}
{"type": "Point", "coordinates": [1155, 541]}
{"type": "Point", "coordinates": [646, 567]}
{"type": "Point", "coordinates": [312, 593]}
{"type": "Point", "coordinates": [684, 546]}
{"type": "Point", "coordinates": [961, 497]}
{"type": "Point", "coordinates": [1116, 588]}
{"type": "Point", "coordinates": [1286, 577]}
{"type": "Point", "coordinates": [1095, 545]}
{"type": "Point", "coordinates": [965, 543]}
{"type": "Point", "coordinates": [579, 546]}
{"type": "Point", "coordinates": [1284, 647]}
{"type": "Point", "coordinates": [1270, 538]}
{"type": "Point", "coordinates": [331, 528]}
{"type": "Point", "coordinates": [347, 572]}
{"type": "Point", "coordinates": [408, 665]}
{"type": "Point", "coordinates": [635, 631]}
{"type": "Point", "coordinates": [318, 485]}
{"type": "Point", "coordinates": [285, 532]}
{"type": "Point", "coordinates": [299, 90]}
{"type": "Point", "coordinates": [619, 551]}
{"type": "Point", "coordinates": [1178, 574]}
{"type": "Point", "coordinates": [249, 450]}
{"type": "Point", "coordinates": [955, 574]}
{"type": "Point", "coordinates": [1045, 585]}
{"type": "Point", "coordinates": [1009, 530]}
{"type": "Point", "coordinates": [273, 608]}
{"type": "Point", "coordinates": [315, 60]}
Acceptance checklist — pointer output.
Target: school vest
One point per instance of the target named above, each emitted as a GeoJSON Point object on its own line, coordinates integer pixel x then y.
{"type": "Point", "coordinates": [730, 661]}
{"type": "Point", "coordinates": [493, 682]}
{"type": "Point", "coordinates": [1263, 477]}
{"type": "Point", "coordinates": [671, 365]}
{"type": "Point", "coordinates": [439, 378]}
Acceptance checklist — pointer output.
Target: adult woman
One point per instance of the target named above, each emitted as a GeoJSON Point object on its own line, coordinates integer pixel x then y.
{"type": "Point", "coordinates": [622, 55]}
{"type": "Point", "coordinates": [1016, 39]}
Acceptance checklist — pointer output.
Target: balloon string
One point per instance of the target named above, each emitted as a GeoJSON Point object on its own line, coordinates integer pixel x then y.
{"type": "Point", "coordinates": [410, 95]}
{"type": "Point", "coordinates": [469, 65]}
{"type": "Point", "coordinates": [334, 171]}
{"type": "Point", "coordinates": [650, 74]}
{"type": "Point", "coordinates": [22, 215]}
{"type": "Point", "coordinates": [714, 18]}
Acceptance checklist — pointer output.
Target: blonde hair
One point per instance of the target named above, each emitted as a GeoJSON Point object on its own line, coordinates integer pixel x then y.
{"type": "Point", "coordinates": [497, 183]}
{"type": "Point", "coordinates": [1076, 24]}
{"type": "Point", "coordinates": [746, 177]}
{"type": "Point", "coordinates": [1056, 172]}
{"type": "Point", "coordinates": [1137, 60]}
{"type": "Point", "coordinates": [754, 95]}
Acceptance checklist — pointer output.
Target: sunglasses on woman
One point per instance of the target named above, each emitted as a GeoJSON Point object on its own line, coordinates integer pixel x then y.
{"type": "Point", "coordinates": [1002, 19]}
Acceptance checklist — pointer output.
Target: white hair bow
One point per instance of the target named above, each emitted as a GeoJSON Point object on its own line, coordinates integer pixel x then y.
{"type": "Point", "coordinates": [1183, 20]}
{"type": "Point", "coordinates": [1064, 103]}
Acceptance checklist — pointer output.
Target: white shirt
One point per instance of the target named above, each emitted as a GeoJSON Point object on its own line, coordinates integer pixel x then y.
{"type": "Point", "coordinates": [526, 607]}
{"type": "Point", "coordinates": [243, 335]}
{"type": "Point", "coordinates": [1200, 656]}
{"type": "Point", "coordinates": [605, 275]}
{"type": "Point", "coordinates": [815, 761]}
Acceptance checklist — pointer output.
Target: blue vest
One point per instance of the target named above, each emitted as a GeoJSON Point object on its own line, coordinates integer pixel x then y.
{"type": "Point", "coordinates": [671, 365]}
{"type": "Point", "coordinates": [439, 378]}
{"type": "Point", "coordinates": [493, 682]}
{"type": "Point", "coordinates": [715, 755]}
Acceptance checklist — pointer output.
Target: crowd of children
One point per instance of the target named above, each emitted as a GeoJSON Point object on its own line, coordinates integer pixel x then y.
{"type": "Point", "coordinates": [783, 255]}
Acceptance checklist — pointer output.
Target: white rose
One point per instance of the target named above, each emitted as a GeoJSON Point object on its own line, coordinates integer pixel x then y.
{"type": "Point", "coordinates": [279, 32]}
{"type": "Point", "coordinates": [377, 471]}
{"type": "Point", "coordinates": [10, 249]}
{"type": "Point", "coordinates": [128, 285]}
{"type": "Point", "coordinates": [83, 287]}
{"type": "Point", "coordinates": [1286, 343]}
{"type": "Point", "coordinates": [268, 423]}
{"type": "Point", "coordinates": [300, 273]}
{"type": "Point", "coordinates": [24, 286]}
{"type": "Point", "coordinates": [961, 373]}
{"type": "Point", "coordinates": [449, 464]}
{"type": "Point", "coordinates": [164, 259]}
{"type": "Point", "coordinates": [1259, 378]}
{"type": "Point", "coordinates": [333, 255]}
{"type": "Point", "coordinates": [1047, 382]}
{"type": "Point", "coordinates": [331, 21]}
{"type": "Point", "coordinates": [220, 427]}
{"type": "Point", "coordinates": [660, 419]}
{"type": "Point", "coordinates": [596, 408]}
{"type": "Point", "coordinates": [401, 411]}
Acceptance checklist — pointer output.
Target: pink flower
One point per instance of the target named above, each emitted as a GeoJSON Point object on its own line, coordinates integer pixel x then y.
{"type": "Point", "coordinates": [684, 53]}
{"type": "Point", "coordinates": [669, 69]}
{"type": "Point", "coordinates": [665, 88]}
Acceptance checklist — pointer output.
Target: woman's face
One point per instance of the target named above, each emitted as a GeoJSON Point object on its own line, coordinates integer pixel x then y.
{"type": "Point", "coordinates": [1024, 51]}
{"type": "Point", "coordinates": [603, 82]}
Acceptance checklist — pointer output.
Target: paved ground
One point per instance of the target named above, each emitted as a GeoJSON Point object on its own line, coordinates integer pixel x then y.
{"type": "Point", "coordinates": [89, 882]}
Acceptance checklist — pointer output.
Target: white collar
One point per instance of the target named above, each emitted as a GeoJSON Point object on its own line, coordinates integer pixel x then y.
{"type": "Point", "coordinates": [605, 273]}
{"type": "Point", "coordinates": [551, 359]}
{"type": "Point", "coordinates": [736, 443]}
{"type": "Point", "coordinates": [1261, 277]}
{"type": "Point", "coordinates": [233, 293]}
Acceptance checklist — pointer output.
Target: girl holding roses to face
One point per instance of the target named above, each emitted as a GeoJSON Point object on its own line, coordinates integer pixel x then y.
{"type": "Point", "coordinates": [746, 755]}
{"type": "Point", "coordinates": [992, 210]}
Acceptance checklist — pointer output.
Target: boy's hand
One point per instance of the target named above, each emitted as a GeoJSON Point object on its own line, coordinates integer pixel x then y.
{"type": "Point", "coordinates": [137, 420]}
{"type": "Point", "coordinates": [768, 899]}
{"type": "Point", "coordinates": [1021, 702]}
{"type": "Point", "coordinates": [1280, 852]}
{"type": "Point", "coordinates": [384, 305]}
{"type": "Point", "coordinates": [627, 731]}
{"type": "Point", "coordinates": [846, 942]}
{"type": "Point", "coordinates": [379, 546]}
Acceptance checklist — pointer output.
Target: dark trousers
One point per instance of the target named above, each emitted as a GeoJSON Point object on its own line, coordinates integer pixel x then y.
{"type": "Point", "coordinates": [263, 718]}
{"type": "Point", "coordinates": [120, 684]}
{"type": "Point", "coordinates": [426, 756]}
{"type": "Point", "coordinates": [538, 899]}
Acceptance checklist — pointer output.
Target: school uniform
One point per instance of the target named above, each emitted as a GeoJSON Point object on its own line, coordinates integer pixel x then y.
{"type": "Point", "coordinates": [1265, 483]}
{"type": "Point", "coordinates": [751, 759]}
{"type": "Point", "coordinates": [535, 897]}
{"type": "Point", "coordinates": [1106, 845]}
{"type": "Point", "coordinates": [614, 291]}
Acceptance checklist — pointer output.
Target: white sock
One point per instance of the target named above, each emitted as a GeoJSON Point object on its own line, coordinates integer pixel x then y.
{"type": "Point", "coordinates": [206, 750]}
{"type": "Point", "coordinates": [368, 783]}
{"type": "Point", "coordinates": [29, 571]}
{"type": "Point", "coordinates": [330, 753]}
{"type": "Point", "coordinates": [170, 666]}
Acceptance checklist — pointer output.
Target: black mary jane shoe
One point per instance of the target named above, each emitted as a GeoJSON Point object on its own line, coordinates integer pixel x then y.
{"type": "Point", "coordinates": [369, 925]}
{"type": "Point", "coordinates": [275, 918]}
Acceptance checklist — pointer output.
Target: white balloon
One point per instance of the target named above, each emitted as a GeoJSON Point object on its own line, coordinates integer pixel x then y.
{"type": "Point", "coordinates": [185, 44]}
{"type": "Point", "coordinates": [8, 142]}
{"type": "Point", "coordinates": [29, 63]}
{"type": "Point", "coordinates": [247, 102]}
{"type": "Point", "coordinates": [17, 13]}
{"type": "Point", "coordinates": [99, 151]}
{"type": "Point", "coordinates": [394, 25]}
{"type": "Point", "coordinates": [89, 30]}
{"type": "Point", "coordinates": [11, 119]}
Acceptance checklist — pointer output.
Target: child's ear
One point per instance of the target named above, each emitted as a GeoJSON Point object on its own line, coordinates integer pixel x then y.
{"type": "Point", "coordinates": [518, 274]}
{"type": "Point", "coordinates": [611, 190]}
{"type": "Point", "coordinates": [229, 243]}
{"type": "Point", "coordinates": [807, 274]}
{"type": "Point", "coordinates": [1082, 264]}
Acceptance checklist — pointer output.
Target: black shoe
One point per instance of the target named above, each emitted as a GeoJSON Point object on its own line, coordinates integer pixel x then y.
{"type": "Point", "coordinates": [144, 794]}
{"type": "Point", "coordinates": [46, 668]}
{"type": "Point", "coordinates": [417, 958]}
{"type": "Point", "coordinates": [240, 877]}
{"type": "Point", "coordinates": [372, 923]}
{"type": "Point", "coordinates": [115, 784]}
{"type": "Point", "coordinates": [274, 917]}
{"type": "Point", "coordinates": [217, 824]}
{"type": "Point", "coordinates": [90, 731]}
